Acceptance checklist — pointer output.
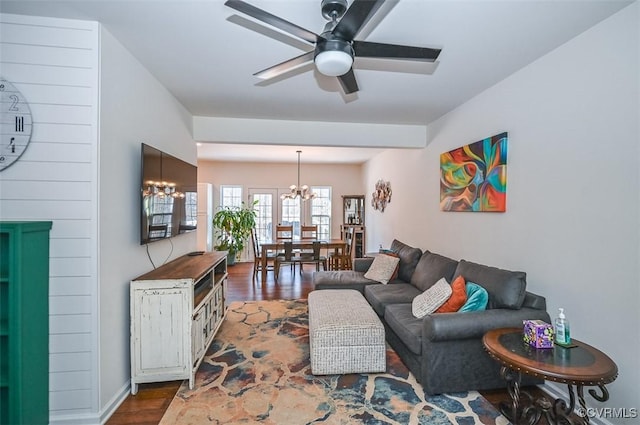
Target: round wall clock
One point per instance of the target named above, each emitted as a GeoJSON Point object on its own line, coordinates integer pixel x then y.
{"type": "Point", "coordinates": [15, 124]}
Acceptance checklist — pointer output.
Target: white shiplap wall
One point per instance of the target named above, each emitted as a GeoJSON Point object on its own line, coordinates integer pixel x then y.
{"type": "Point", "coordinates": [55, 64]}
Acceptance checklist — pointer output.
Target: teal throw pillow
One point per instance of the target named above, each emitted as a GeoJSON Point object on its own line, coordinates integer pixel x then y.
{"type": "Point", "coordinates": [477, 298]}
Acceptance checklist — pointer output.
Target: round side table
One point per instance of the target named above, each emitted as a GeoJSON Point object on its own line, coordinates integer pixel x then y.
{"type": "Point", "coordinates": [578, 365]}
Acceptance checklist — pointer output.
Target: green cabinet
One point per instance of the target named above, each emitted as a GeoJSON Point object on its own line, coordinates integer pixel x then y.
{"type": "Point", "coordinates": [24, 322]}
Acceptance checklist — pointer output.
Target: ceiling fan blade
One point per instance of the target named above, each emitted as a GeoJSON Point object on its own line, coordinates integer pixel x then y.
{"type": "Point", "coordinates": [288, 65]}
{"type": "Point", "coordinates": [273, 20]}
{"type": "Point", "coordinates": [348, 82]}
{"type": "Point", "coordinates": [355, 18]}
{"type": "Point", "coordinates": [393, 51]}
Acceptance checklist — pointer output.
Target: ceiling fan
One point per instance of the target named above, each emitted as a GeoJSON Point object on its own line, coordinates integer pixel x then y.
{"type": "Point", "coordinates": [335, 48]}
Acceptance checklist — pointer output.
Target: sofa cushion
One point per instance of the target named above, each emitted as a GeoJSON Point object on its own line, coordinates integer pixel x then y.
{"type": "Point", "coordinates": [506, 288]}
{"type": "Point", "coordinates": [535, 301]}
{"type": "Point", "coordinates": [362, 264]}
{"type": "Point", "coordinates": [379, 296]}
{"type": "Point", "coordinates": [431, 299]}
{"type": "Point", "coordinates": [477, 297]}
{"type": "Point", "coordinates": [341, 279]}
{"type": "Point", "coordinates": [394, 276]}
{"type": "Point", "coordinates": [457, 299]}
{"type": "Point", "coordinates": [383, 268]}
{"type": "Point", "coordinates": [432, 267]}
{"type": "Point", "coordinates": [408, 328]}
{"type": "Point", "coordinates": [409, 258]}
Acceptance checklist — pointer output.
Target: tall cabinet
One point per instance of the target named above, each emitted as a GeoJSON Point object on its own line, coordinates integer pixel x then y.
{"type": "Point", "coordinates": [24, 322]}
{"type": "Point", "coordinates": [353, 217]}
{"type": "Point", "coordinates": [176, 310]}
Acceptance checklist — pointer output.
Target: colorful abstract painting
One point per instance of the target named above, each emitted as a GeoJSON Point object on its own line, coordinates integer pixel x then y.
{"type": "Point", "coordinates": [474, 177]}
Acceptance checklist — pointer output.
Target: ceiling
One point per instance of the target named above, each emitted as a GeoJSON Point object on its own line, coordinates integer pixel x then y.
{"type": "Point", "coordinates": [205, 54]}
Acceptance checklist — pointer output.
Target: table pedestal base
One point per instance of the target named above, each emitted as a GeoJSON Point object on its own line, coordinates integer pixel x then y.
{"type": "Point", "coordinates": [524, 409]}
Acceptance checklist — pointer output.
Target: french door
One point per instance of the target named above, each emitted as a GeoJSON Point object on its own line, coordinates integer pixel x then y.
{"type": "Point", "coordinates": [266, 212]}
{"type": "Point", "coordinates": [271, 210]}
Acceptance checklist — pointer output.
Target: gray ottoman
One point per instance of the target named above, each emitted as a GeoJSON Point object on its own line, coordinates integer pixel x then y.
{"type": "Point", "coordinates": [345, 334]}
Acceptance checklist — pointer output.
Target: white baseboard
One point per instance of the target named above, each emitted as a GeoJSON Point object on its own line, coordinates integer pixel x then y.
{"type": "Point", "coordinates": [80, 419]}
{"type": "Point", "coordinates": [94, 418]}
{"type": "Point", "coordinates": [115, 402]}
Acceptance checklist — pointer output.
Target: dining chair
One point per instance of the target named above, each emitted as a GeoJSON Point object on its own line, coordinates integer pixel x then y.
{"type": "Point", "coordinates": [258, 256]}
{"type": "Point", "coordinates": [343, 260]}
{"type": "Point", "coordinates": [308, 232]}
{"type": "Point", "coordinates": [284, 232]}
{"type": "Point", "coordinates": [313, 257]}
{"type": "Point", "coordinates": [286, 257]}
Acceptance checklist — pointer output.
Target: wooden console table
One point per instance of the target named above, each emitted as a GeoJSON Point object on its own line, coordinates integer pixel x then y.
{"type": "Point", "coordinates": [579, 365]}
{"type": "Point", "coordinates": [176, 311]}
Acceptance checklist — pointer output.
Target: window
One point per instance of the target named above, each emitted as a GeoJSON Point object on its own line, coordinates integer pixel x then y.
{"type": "Point", "coordinates": [296, 212]}
{"type": "Point", "coordinates": [264, 214]}
{"type": "Point", "coordinates": [291, 214]}
{"type": "Point", "coordinates": [321, 211]}
{"type": "Point", "coordinates": [231, 196]}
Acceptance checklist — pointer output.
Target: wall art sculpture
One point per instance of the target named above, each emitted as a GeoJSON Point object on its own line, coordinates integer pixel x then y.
{"type": "Point", "coordinates": [381, 196]}
{"type": "Point", "coordinates": [474, 177]}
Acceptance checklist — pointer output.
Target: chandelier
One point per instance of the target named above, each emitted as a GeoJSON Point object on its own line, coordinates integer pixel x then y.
{"type": "Point", "coordinates": [304, 192]}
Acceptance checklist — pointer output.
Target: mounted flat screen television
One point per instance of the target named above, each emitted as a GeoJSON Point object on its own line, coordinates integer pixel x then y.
{"type": "Point", "coordinates": [169, 196]}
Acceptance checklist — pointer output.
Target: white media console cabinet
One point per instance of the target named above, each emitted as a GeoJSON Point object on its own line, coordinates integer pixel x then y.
{"type": "Point", "coordinates": [176, 310]}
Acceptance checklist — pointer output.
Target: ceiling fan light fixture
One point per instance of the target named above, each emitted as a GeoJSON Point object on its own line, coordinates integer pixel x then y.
{"type": "Point", "coordinates": [333, 63]}
{"type": "Point", "coordinates": [333, 56]}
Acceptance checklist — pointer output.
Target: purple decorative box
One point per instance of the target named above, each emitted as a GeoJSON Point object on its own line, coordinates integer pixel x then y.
{"type": "Point", "coordinates": [538, 333]}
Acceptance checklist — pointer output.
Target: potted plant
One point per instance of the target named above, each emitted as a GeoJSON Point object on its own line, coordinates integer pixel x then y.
{"type": "Point", "coordinates": [233, 227]}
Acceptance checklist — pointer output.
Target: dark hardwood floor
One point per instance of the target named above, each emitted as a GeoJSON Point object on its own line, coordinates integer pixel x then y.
{"type": "Point", "coordinates": [148, 406]}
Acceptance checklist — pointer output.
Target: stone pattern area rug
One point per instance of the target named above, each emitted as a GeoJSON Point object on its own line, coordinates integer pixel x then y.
{"type": "Point", "coordinates": [257, 370]}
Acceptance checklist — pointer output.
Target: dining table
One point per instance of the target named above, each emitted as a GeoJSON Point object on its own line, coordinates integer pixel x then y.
{"type": "Point", "coordinates": [337, 245]}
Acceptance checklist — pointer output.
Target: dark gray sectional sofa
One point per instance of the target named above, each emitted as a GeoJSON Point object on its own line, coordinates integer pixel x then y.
{"type": "Point", "coordinates": [443, 350]}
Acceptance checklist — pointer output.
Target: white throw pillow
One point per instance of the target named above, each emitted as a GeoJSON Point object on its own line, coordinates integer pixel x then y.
{"type": "Point", "coordinates": [431, 299]}
{"type": "Point", "coordinates": [382, 268]}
